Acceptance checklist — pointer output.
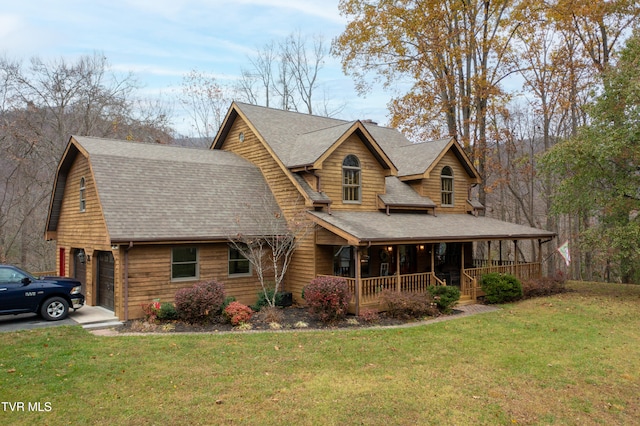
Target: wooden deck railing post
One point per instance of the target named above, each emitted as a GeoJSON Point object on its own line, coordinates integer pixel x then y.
{"type": "Point", "coordinates": [398, 269]}
{"type": "Point", "coordinates": [358, 280]}
{"type": "Point", "coordinates": [515, 257]}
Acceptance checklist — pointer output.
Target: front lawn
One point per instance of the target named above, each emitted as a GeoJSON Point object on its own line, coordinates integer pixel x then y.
{"type": "Point", "coordinates": [567, 359]}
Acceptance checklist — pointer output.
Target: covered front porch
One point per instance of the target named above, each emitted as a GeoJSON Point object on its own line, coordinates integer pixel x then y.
{"type": "Point", "coordinates": [413, 268]}
{"type": "Point", "coordinates": [408, 252]}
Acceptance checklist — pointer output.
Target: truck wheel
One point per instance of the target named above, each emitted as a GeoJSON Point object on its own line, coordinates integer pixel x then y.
{"type": "Point", "coordinates": [54, 309]}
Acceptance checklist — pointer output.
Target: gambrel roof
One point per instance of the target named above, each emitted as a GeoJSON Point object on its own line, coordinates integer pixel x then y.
{"type": "Point", "coordinates": [152, 192]}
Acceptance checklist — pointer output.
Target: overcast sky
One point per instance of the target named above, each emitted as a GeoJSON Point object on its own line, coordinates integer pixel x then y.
{"type": "Point", "coordinates": [162, 40]}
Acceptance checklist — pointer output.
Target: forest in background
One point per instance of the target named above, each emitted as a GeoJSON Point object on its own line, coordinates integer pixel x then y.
{"type": "Point", "coordinates": [540, 94]}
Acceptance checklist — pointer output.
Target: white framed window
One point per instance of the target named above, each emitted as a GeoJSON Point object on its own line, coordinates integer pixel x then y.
{"type": "Point", "coordinates": [83, 200]}
{"type": "Point", "coordinates": [446, 179]}
{"type": "Point", "coordinates": [238, 264]}
{"type": "Point", "coordinates": [184, 264]}
{"type": "Point", "coordinates": [351, 179]}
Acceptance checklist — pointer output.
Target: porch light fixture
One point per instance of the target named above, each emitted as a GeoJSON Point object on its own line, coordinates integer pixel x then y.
{"type": "Point", "coordinates": [82, 257]}
{"type": "Point", "coordinates": [390, 248]}
{"type": "Point", "coordinates": [421, 247]}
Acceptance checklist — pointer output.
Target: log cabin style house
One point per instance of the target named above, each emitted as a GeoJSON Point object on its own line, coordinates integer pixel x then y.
{"type": "Point", "coordinates": [135, 222]}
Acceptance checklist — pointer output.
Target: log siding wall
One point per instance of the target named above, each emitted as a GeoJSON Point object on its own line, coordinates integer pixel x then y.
{"type": "Point", "coordinates": [371, 173]}
{"type": "Point", "coordinates": [150, 275]}
{"type": "Point", "coordinates": [82, 229]}
{"type": "Point", "coordinates": [302, 268]}
{"type": "Point", "coordinates": [461, 182]}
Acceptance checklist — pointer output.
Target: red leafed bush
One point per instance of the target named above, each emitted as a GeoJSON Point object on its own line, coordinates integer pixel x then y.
{"type": "Point", "coordinates": [151, 310]}
{"type": "Point", "coordinates": [199, 303]}
{"type": "Point", "coordinates": [328, 298]}
{"type": "Point", "coordinates": [237, 313]}
{"type": "Point", "coordinates": [369, 316]}
{"type": "Point", "coordinates": [545, 286]}
{"type": "Point", "coordinates": [408, 305]}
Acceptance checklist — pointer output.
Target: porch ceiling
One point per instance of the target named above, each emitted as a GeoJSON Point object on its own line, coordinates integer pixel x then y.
{"type": "Point", "coordinates": [377, 227]}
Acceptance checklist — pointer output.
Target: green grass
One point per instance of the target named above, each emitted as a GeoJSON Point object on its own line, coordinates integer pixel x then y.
{"type": "Point", "coordinates": [568, 359]}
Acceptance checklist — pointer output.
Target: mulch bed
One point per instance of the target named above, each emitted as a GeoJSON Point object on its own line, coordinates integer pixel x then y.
{"type": "Point", "coordinates": [292, 318]}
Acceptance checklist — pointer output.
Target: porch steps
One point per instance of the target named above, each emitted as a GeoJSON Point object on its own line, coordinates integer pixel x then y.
{"type": "Point", "coordinates": [465, 300]}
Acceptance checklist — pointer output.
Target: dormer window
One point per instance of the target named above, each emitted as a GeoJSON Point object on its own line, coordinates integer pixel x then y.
{"type": "Point", "coordinates": [446, 179]}
{"type": "Point", "coordinates": [351, 181]}
{"type": "Point", "coordinates": [83, 201]}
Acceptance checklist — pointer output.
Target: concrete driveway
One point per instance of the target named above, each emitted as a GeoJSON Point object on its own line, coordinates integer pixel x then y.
{"type": "Point", "coordinates": [87, 316]}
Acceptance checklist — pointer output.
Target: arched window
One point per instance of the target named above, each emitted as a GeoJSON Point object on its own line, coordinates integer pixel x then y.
{"type": "Point", "coordinates": [83, 201]}
{"type": "Point", "coordinates": [446, 179]}
{"type": "Point", "coordinates": [351, 182]}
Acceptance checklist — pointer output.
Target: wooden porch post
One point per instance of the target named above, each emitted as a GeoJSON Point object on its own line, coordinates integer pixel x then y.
{"type": "Point", "coordinates": [462, 266]}
{"type": "Point", "coordinates": [433, 264]}
{"type": "Point", "coordinates": [397, 268]}
{"type": "Point", "coordinates": [489, 253]}
{"type": "Point", "coordinates": [540, 252]}
{"type": "Point", "coordinates": [358, 280]}
{"type": "Point", "coordinates": [515, 257]}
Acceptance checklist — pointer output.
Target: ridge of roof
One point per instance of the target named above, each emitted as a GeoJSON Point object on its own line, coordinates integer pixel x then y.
{"type": "Point", "coordinates": [292, 135]}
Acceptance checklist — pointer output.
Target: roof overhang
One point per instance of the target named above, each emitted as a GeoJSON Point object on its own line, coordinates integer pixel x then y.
{"type": "Point", "coordinates": [363, 228]}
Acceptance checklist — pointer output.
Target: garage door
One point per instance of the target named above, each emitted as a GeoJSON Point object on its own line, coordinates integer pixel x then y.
{"type": "Point", "coordinates": [105, 279]}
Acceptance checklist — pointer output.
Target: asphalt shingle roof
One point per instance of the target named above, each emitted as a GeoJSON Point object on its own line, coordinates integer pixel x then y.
{"type": "Point", "coordinates": [378, 226]}
{"type": "Point", "coordinates": [400, 194]}
{"type": "Point", "coordinates": [152, 192]}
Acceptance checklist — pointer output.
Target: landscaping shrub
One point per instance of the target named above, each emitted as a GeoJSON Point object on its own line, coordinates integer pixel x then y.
{"type": "Point", "coordinates": [369, 316]}
{"type": "Point", "coordinates": [227, 301]}
{"type": "Point", "coordinates": [199, 303]}
{"type": "Point", "coordinates": [545, 286]}
{"type": "Point", "coordinates": [262, 299]}
{"type": "Point", "coordinates": [272, 315]}
{"type": "Point", "coordinates": [501, 288]}
{"type": "Point", "coordinates": [237, 313]}
{"type": "Point", "coordinates": [151, 310]}
{"type": "Point", "coordinates": [328, 298]}
{"type": "Point", "coordinates": [408, 305]}
{"type": "Point", "coordinates": [167, 312]}
{"type": "Point", "coordinates": [445, 297]}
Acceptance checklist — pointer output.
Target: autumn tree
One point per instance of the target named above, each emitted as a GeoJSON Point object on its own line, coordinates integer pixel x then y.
{"type": "Point", "coordinates": [599, 26]}
{"type": "Point", "coordinates": [599, 171]}
{"type": "Point", "coordinates": [450, 52]}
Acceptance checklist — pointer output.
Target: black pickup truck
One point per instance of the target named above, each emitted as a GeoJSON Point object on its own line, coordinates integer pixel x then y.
{"type": "Point", "coordinates": [51, 297]}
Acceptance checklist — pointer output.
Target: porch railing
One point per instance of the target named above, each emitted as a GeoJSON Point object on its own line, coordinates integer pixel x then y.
{"type": "Point", "coordinates": [371, 287]}
{"type": "Point", "coordinates": [524, 271]}
{"type": "Point", "coordinates": [469, 286]}
{"type": "Point", "coordinates": [470, 282]}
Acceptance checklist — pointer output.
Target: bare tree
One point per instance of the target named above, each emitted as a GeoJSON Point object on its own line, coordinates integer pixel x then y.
{"type": "Point", "coordinates": [271, 246]}
{"type": "Point", "coordinates": [286, 74]}
{"type": "Point", "coordinates": [42, 104]}
{"type": "Point", "coordinates": [304, 65]}
{"type": "Point", "coordinates": [259, 74]}
{"type": "Point", "coordinates": [205, 102]}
